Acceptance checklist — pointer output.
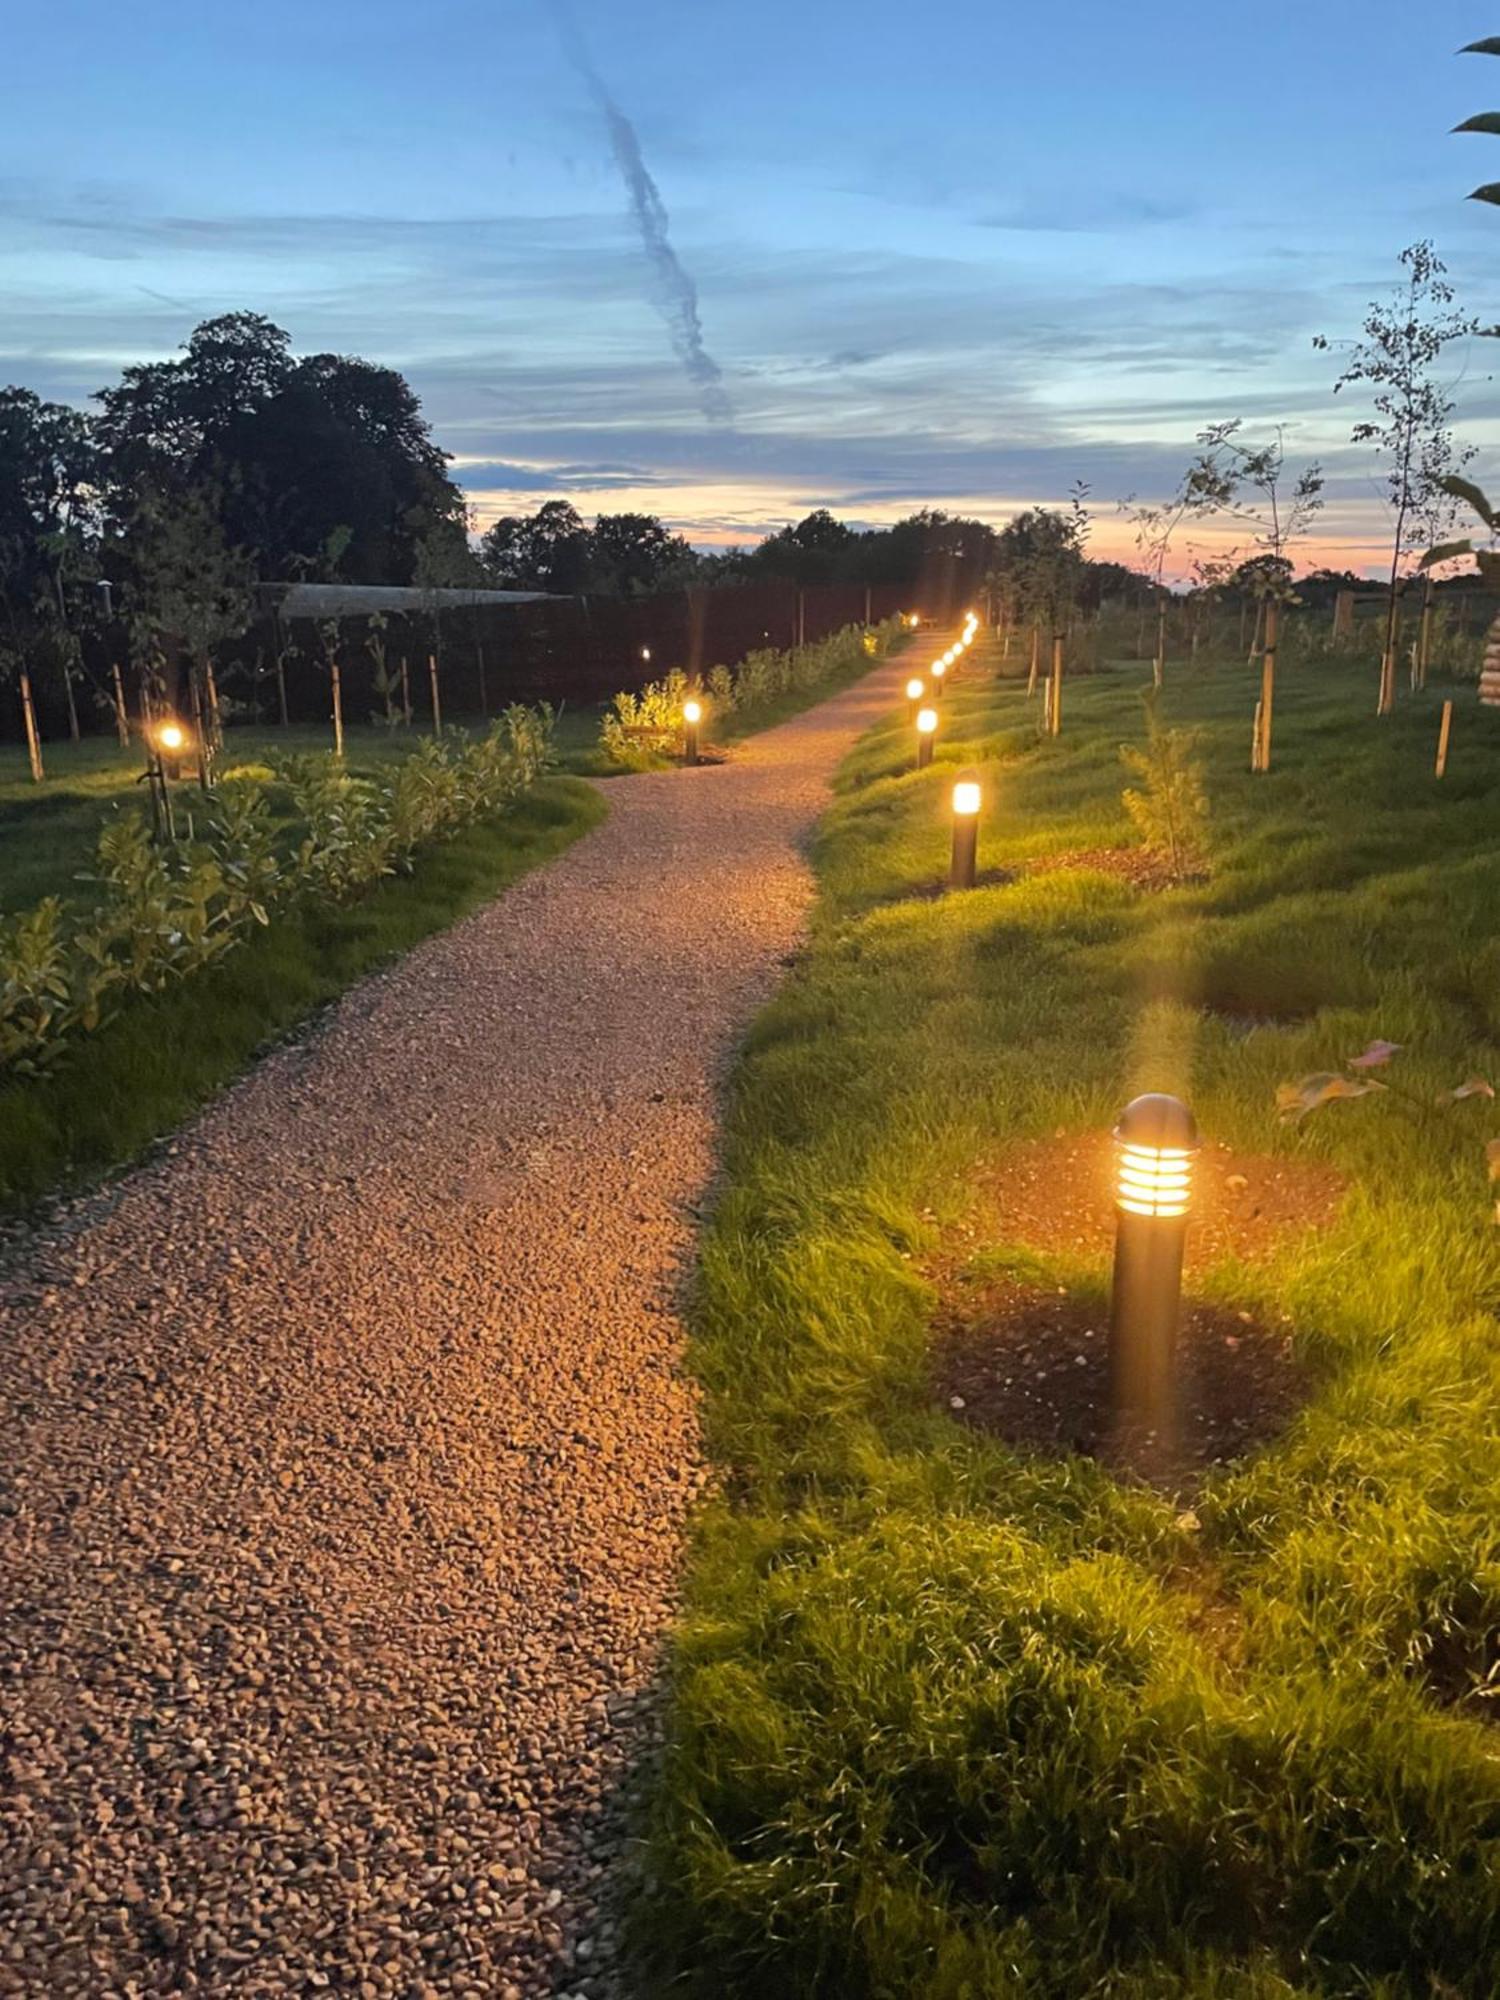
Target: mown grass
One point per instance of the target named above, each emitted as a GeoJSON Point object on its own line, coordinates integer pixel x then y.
{"type": "Point", "coordinates": [954, 1720]}
{"type": "Point", "coordinates": [167, 1054]}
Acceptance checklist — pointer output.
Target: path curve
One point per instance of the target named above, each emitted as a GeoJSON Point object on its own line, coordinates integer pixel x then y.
{"type": "Point", "coordinates": [345, 1452]}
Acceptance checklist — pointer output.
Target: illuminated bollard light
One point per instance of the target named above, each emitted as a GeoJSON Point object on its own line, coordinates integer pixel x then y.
{"type": "Point", "coordinates": [938, 670]}
{"type": "Point", "coordinates": [916, 687]}
{"type": "Point", "coordinates": [926, 731]}
{"type": "Point", "coordinates": [1155, 1141]}
{"type": "Point", "coordinates": [966, 803]}
{"type": "Point", "coordinates": [692, 716]}
{"type": "Point", "coordinates": [171, 739]}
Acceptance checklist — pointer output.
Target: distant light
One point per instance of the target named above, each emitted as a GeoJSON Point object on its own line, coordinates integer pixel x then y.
{"type": "Point", "coordinates": [966, 797]}
{"type": "Point", "coordinates": [692, 711]}
{"type": "Point", "coordinates": [914, 621]}
{"type": "Point", "coordinates": [170, 737]}
{"type": "Point", "coordinates": [927, 721]}
{"type": "Point", "coordinates": [939, 668]}
{"type": "Point", "coordinates": [916, 687]}
{"type": "Point", "coordinates": [645, 652]}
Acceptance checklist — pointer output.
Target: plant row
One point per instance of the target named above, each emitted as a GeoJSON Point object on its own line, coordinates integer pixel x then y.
{"type": "Point", "coordinates": [164, 911]}
{"type": "Point", "coordinates": [643, 726]}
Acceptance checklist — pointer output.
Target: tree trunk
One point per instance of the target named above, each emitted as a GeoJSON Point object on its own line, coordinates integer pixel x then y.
{"type": "Point", "coordinates": [1057, 678]}
{"type": "Point", "coordinates": [33, 740]}
{"type": "Point", "coordinates": [338, 707]}
{"type": "Point", "coordinates": [67, 679]}
{"type": "Point", "coordinates": [405, 691]}
{"type": "Point", "coordinates": [437, 706]}
{"type": "Point", "coordinates": [205, 748]}
{"type": "Point", "coordinates": [1424, 643]}
{"type": "Point", "coordinates": [1036, 659]}
{"type": "Point", "coordinates": [1159, 665]}
{"type": "Point", "coordinates": [1260, 612]}
{"type": "Point", "coordinates": [215, 715]}
{"type": "Point", "coordinates": [122, 720]}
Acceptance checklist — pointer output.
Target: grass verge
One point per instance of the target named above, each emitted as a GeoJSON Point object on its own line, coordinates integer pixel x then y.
{"type": "Point", "coordinates": [953, 1719]}
{"type": "Point", "coordinates": [167, 1054]}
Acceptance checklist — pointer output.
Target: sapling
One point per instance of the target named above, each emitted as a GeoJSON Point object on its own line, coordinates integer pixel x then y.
{"type": "Point", "coordinates": [1169, 807]}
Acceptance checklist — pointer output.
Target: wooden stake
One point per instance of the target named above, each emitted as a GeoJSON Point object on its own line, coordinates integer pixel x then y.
{"type": "Point", "coordinates": [1255, 741]}
{"type": "Point", "coordinates": [33, 741]}
{"type": "Point", "coordinates": [1265, 710]}
{"type": "Point", "coordinates": [437, 707]}
{"type": "Point", "coordinates": [1159, 664]}
{"type": "Point", "coordinates": [1424, 643]}
{"type": "Point", "coordinates": [73, 729]}
{"type": "Point", "coordinates": [1036, 659]}
{"type": "Point", "coordinates": [205, 748]}
{"type": "Point", "coordinates": [215, 715]}
{"type": "Point", "coordinates": [122, 720]}
{"type": "Point", "coordinates": [1057, 672]}
{"type": "Point", "coordinates": [1444, 731]}
{"type": "Point", "coordinates": [405, 692]}
{"type": "Point", "coordinates": [338, 707]}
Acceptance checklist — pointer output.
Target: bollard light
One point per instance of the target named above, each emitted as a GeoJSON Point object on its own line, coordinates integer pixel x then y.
{"type": "Point", "coordinates": [170, 736]}
{"type": "Point", "coordinates": [1155, 1142]}
{"type": "Point", "coordinates": [916, 687]}
{"type": "Point", "coordinates": [692, 716]}
{"type": "Point", "coordinates": [938, 669]}
{"type": "Point", "coordinates": [927, 722]}
{"type": "Point", "coordinates": [967, 800]}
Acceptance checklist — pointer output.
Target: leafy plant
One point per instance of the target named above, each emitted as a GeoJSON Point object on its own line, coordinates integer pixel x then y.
{"type": "Point", "coordinates": [1169, 806]}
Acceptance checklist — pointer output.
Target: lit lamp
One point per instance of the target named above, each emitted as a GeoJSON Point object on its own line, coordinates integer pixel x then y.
{"type": "Point", "coordinates": [914, 621]}
{"type": "Point", "coordinates": [966, 804]}
{"type": "Point", "coordinates": [926, 731]}
{"type": "Point", "coordinates": [937, 670]}
{"type": "Point", "coordinates": [171, 740]}
{"type": "Point", "coordinates": [646, 654]}
{"type": "Point", "coordinates": [692, 715]}
{"type": "Point", "coordinates": [916, 687]}
{"type": "Point", "coordinates": [1155, 1141]}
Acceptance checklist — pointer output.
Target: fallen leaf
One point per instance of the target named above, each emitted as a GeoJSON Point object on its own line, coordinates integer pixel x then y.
{"type": "Point", "coordinates": [1295, 1100]}
{"type": "Point", "coordinates": [1475, 1087]}
{"type": "Point", "coordinates": [1375, 1056]}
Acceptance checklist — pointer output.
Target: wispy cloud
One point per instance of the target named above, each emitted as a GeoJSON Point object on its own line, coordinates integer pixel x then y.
{"type": "Point", "coordinates": [673, 290]}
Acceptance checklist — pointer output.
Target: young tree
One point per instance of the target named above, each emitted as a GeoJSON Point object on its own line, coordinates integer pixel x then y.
{"type": "Point", "coordinates": [1204, 488]}
{"type": "Point", "coordinates": [1278, 515]}
{"type": "Point", "coordinates": [1403, 342]}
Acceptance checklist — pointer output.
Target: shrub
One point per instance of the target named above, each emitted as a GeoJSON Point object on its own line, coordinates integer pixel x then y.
{"type": "Point", "coordinates": [165, 911]}
{"type": "Point", "coordinates": [1170, 807]}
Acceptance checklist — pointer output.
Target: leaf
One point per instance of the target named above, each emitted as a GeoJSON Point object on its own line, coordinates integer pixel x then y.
{"type": "Point", "coordinates": [1445, 552]}
{"type": "Point", "coordinates": [1465, 489]}
{"type": "Point", "coordinates": [1489, 192]}
{"type": "Point", "coordinates": [1296, 1100]}
{"type": "Point", "coordinates": [1475, 1087]}
{"type": "Point", "coordinates": [1490, 46]}
{"type": "Point", "coordinates": [1375, 1056]}
{"type": "Point", "coordinates": [1482, 121]}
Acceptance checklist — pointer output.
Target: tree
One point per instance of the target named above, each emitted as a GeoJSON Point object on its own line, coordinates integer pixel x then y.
{"type": "Point", "coordinates": [1412, 433]}
{"type": "Point", "coordinates": [815, 551]}
{"type": "Point", "coordinates": [551, 549]}
{"type": "Point", "coordinates": [291, 449]}
{"type": "Point", "coordinates": [1204, 489]}
{"type": "Point", "coordinates": [49, 534]}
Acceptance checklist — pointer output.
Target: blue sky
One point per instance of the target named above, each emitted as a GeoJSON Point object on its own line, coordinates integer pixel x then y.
{"type": "Point", "coordinates": [960, 255]}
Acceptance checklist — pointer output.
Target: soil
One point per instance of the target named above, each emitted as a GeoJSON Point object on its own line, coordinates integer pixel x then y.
{"type": "Point", "coordinates": [1029, 1364]}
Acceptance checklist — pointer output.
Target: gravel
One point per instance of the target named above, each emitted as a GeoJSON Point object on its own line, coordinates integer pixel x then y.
{"type": "Point", "coordinates": [345, 1449]}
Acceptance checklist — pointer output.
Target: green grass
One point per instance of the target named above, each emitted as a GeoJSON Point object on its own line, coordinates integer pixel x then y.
{"type": "Point", "coordinates": [167, 1054]}
{"type": "Point", "coordinates": [952, 1720]}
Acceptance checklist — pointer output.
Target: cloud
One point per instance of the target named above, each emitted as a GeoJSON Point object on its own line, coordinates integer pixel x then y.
{"type": "Point", "coordinates": [1069, 212]}
{"type": "Point", "coordinates": [674, 292]}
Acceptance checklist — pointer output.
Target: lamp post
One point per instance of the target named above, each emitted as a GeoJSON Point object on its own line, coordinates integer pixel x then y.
{"type": "Point", "coordinates": [916, 687]}
{"type": "Point", "coordinates": [692, 716]}
{"type": "Point", "coordinates": [938, 670]}
{"type": "Point", "coordinates": [966, 804]}
{"type": "Point", "coordinates": [1155, 1141]}
{"type": "Point", "coordinates": [926, 731]}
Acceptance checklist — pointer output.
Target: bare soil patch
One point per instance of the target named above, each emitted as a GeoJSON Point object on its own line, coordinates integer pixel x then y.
{"type": "Point", "coordinates": [1127, 864]}
{"type": "Point", "coordinates": [1056, 1195]}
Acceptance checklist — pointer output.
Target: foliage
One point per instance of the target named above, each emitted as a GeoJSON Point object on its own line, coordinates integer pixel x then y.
{"type": "Point", "coordinates": [643, 726]}
{"type": "Point", "coordinates": [1169, 805]}
{"type": "Point", "coordinates": [166, 912]}
{"type": "Point", "coordinates": [1277, 516]}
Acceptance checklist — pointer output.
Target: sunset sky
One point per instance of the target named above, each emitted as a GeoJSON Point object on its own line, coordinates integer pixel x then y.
{"type": "Point", "coordinates": [959, 257]}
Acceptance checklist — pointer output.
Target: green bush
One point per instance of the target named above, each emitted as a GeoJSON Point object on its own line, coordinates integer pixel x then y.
{"type": "Point", "coordinates": [643, 727]}
{"type": "Point", "coordinates": [166, 911]}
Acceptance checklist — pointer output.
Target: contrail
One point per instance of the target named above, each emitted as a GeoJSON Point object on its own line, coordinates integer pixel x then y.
{"type": "Point", "coordinates": [673, 292]}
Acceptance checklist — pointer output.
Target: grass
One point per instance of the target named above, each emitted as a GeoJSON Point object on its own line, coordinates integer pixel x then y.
{"type": "Point", "coordinates": [167, 1054]}
{"type": "Point", "coordinates": [951, 1720]}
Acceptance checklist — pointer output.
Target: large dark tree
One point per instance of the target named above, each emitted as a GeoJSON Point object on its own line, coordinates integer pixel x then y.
{"type": "Point", "coordinates": [551, 549]}
{"type": "Point", "coordinates": [48, 535]}
{"type": "Point", "coordinates": [293, 450]}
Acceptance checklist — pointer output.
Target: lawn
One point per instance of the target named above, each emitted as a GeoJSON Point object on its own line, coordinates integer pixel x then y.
{"type": "Point", "coordinates": [957, 1715]}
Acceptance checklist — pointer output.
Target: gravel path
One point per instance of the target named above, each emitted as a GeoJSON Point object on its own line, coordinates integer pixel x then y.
{"type": "Point", "coordinates": [345, 1454]}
